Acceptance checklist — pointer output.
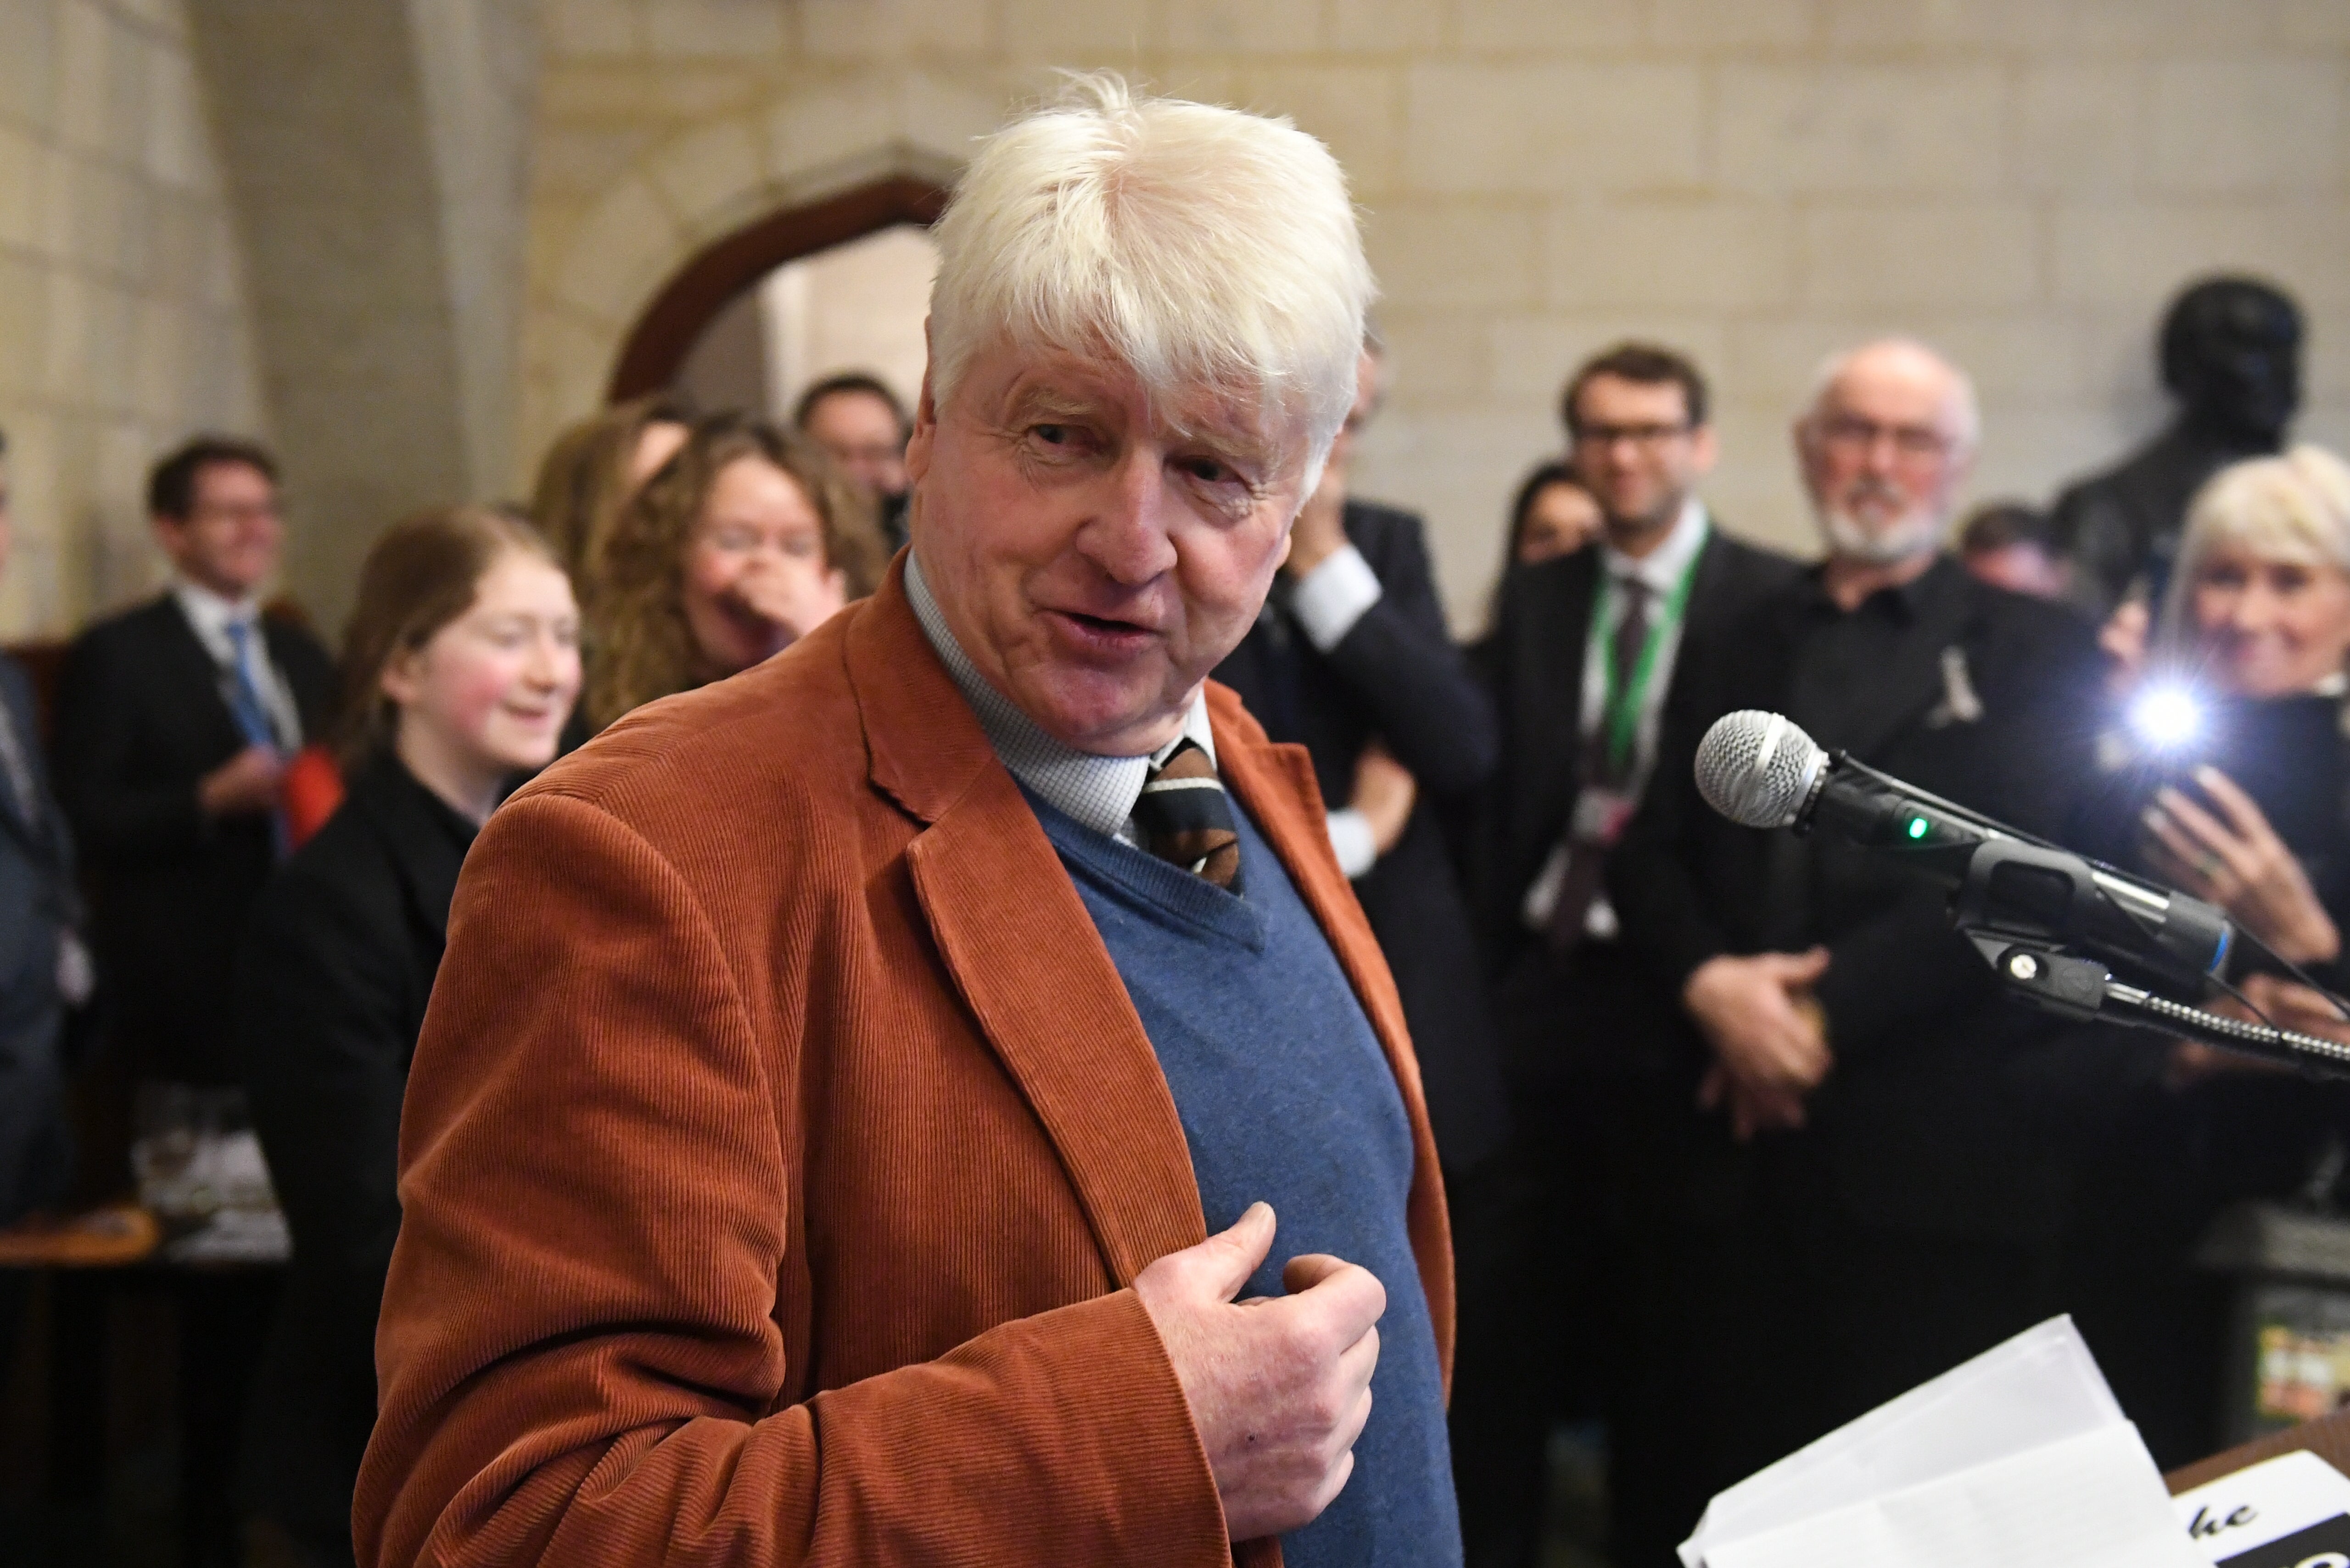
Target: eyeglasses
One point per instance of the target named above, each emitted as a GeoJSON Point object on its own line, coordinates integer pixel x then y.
{"type": "Point", "coordinates": [1851, 436]}
{"type": "Point", "coordinates": [1602, 437]}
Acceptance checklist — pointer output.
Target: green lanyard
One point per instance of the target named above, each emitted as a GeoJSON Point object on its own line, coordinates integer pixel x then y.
{"type": "Point", "coordinates": [1620, 713]}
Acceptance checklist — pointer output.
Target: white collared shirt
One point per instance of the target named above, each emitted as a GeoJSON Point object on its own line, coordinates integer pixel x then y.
{"type": "Point", "coordinates": [1096, 791]}
{"type": "Point", "coordinates": [1659, 571]}
{"type": "Point", "coordinates": [208, 616]}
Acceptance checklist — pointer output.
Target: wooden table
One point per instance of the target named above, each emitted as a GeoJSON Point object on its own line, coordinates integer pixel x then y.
{"type": "Point", "coordinates": [2328, 1438]}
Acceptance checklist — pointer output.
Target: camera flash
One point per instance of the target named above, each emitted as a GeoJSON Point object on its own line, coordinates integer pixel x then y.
{"type": "Point", "coordinates": [2166, 717]}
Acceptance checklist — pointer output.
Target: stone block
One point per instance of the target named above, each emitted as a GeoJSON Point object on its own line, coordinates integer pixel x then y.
{"type": "Point", "coordinates": [1921, 255]}
{"type": "Point", "coordinates": [178, 151]}
{"type": "Point", "coordinates": [1798, 128]}
{"type": "Point", "coordinates": [867, 29]}
{"type": "Point", "coordinates": [1384, 26]}
{"type": "Point", "coordinates": [591, 27]}
{"type": "Point", "coordinates": [25, 324]}
{"type": "Point", "coordinates": [1241, 26]}
{"type": "Point", "coordinates": [1431, 255]}
{"type": "Point", "coordinates": [2135, 258]}
{"type": "Point", "coordinates": [1547, 128]}
{"type": "Point", "coordinates": [1733, 24]}
{"type": "Point", "coordinates": [1512, 26]}
{"type": "Point", "coordinates": [2075, 27]}
{"type": "Point", "coordinates": [1435, 356]}
{"type": "Point", "coordinates": [158, 358]}
{"type": "Point", "coordinates": [1533, 356]}
{"type": "Point", "coordinates": [2320, 22]}
{"type": "Point", "coordinates": [621, 251]}
{"type": "Point", "coordinates": [727, 29]}
{"type": "Point", "coordinates": [1684, 254]}
{"type": "Point", "coordinates": [2076, 127]}
{"type": "Point", "coordinates": [23, 164]}
{"type": "Point", "coordinates": [810, 131]}
{"type": "Point", "coordinates": [704, 174]}
{"type": "Point", "coordinates": [1078, 30]}
{"type": "Point", "coordinates": [2246, 125]}
{"type": "Point", "coordinates": [28, 65]}
{"type": "Point", "coordinates": [2030, 356]}
{"type": "Point", "coordinates": [586, 160]}
{"type": "Point", "coordinates": [1357, 110]}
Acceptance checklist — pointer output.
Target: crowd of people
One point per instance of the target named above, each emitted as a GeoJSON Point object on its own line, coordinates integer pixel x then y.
{"type": "Point", "coordinates": [1738, 1138]}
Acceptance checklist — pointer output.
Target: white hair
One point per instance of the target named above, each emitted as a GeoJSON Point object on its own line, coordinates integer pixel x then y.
{"type": "Point", "coordinates": [1965, 412]}
{"type": "Point", "coordinates": [1201, 247]}
{"type": "Point", "coordinates": [2292, 507]}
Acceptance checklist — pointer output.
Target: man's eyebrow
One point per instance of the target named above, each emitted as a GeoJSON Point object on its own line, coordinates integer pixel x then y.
{"type": "Point", "coordinates": [1049, 398]}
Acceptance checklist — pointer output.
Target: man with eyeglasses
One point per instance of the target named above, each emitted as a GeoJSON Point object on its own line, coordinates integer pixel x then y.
{"type": "Point", "coordinates": [175, 720]}
{"type": "Point", "coordinates": [1888, 1196]}
{"type": "Point", "coordinates": [1602, 1071]}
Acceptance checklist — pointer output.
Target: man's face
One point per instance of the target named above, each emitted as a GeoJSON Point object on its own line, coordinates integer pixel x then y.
{"type": "Point", "coordinates": [1882, 458]}
{"type": "Point", "coordinates": [859, 433]}
{"type": "Point", "coordinates": [230, 540]}
{"type": "Point", "coordinates": [1094, 559]}
{"type": "Point", "coordinates": [1636, 451]}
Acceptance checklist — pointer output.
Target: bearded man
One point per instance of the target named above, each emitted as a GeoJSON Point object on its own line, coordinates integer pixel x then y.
{"type": "Point", "coordinates": [1887, 1207]}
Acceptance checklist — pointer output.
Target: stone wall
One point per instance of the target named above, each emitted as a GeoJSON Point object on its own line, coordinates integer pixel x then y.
{"type": "Point", "coordinates": [2023, 181]}
{"type": "Point", "coordinates": [123, 322]}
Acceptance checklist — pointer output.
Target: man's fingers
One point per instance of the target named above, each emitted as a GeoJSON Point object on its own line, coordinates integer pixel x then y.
{"type": "Point", "coordinates": [1800, 968]}
{"type": "Point", "coordinates": [1227, 1259]}
{"type": "Point", "coordinates": [1348, 1296]}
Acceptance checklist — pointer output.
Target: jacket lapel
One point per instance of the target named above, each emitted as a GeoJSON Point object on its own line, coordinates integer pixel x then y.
{"type": "Point", "coordinates": [1021, 948]}
{"type": "Point", "coordinates": [1550, 695]}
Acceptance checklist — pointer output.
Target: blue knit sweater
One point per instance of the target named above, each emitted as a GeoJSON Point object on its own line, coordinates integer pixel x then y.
{"type": "Point", "coordinates": [1285, 1095]}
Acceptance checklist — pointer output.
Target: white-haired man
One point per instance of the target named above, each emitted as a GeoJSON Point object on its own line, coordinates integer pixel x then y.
{"type": "Point", "coordinates": [1884, 1206]}
{"type": "Point", "coordinates": [855, 1092]}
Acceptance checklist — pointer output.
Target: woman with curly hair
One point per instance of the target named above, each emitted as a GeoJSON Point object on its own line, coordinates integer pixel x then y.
{"type": "Point", "coordinates": [742, 544]}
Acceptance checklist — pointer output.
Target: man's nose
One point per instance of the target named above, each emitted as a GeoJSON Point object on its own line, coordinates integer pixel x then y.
{"type": "Point", "coordinates": [1127, 536]}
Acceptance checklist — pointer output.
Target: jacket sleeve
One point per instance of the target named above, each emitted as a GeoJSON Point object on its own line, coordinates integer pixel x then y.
{"type": "Point", "coordinates": [323, 1050]}
{"type": "Point", "coordinates": [1401, 661]}
{"type": "Point", "coordinates": [113, 818]}
{"type": "Point", "coordinates": [580, 1354]}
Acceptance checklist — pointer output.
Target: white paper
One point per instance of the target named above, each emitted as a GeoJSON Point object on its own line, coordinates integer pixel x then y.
{"type": "Point", "coordinates": [2094, 1501]}
{"type": "Point", "coordinates": [2265, 1502]}
{"type": "Point", "coordinates": [2042, 1386]}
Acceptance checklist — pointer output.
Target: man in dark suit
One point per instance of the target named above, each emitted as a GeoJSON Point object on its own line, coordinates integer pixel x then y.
{"type": "Point", "coordinates": [43, 969]}
{"type": "Point", "coordinates": [1890, 1193]}
{"type": "Point", "coordinates": [1351, 659]}
{"type": "Point", "coordinates": [174, 724]}
{"type": "Point", "coordinates": [1583, 652]}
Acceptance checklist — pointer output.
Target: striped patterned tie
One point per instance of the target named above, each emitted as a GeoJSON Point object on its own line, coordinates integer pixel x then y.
{"type": "Point", "coordinates": [1183, 816]}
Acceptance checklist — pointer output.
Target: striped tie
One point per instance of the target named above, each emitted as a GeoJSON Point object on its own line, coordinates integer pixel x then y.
{"type": "Point", "coordinates": [1182, 817]}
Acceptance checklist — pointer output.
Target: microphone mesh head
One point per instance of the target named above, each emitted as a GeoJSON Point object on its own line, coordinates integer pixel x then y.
{"type": "Point", "coordinates": [1755, 768]}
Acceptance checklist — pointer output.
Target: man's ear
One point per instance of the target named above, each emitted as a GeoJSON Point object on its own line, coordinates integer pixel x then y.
{"type": "Point", "coordinates": [926, 419]}
{"type": "Point", "coordinates": [1705, 449]}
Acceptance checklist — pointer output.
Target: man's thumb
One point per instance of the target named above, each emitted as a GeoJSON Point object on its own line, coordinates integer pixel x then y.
{"type": "Point", "coordinates": [1232, 1256]}
{"type": "Point", "coordinates": [1802, 968]}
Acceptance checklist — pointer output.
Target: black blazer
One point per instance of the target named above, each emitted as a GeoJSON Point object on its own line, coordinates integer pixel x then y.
{"type": "Point", "coordinates": [331, 981]}
{"type": "Point", "coordinates": [1533, 660]}
{"type": "Point", "coordinates": [1397, 677]}
{"type": "Point", "coordinates": [1932, 1115]}
{"type": "Point", "coordinates": [38, 903]}
{"type": "Point", "coordinates": [140, 720]}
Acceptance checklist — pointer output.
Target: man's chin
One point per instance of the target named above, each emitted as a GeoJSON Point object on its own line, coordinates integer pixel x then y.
{"type": "Point", "coordinates": [1119, 714]}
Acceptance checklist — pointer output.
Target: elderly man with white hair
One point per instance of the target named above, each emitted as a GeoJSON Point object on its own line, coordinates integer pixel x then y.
{"type": "Point", "coordinates": [1880, 1202]}
{"type": "Point", "coordinates": [857, 1092]}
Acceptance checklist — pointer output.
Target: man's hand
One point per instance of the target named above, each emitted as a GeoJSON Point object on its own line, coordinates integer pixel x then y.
{"type": "Point", "coordinates": [1384, 792]}
{"type": "Point", "coordinates": [1279, 1389]}
{"type": "Point", "coordinates": [244, 785]}
{"type": "Point", "coordinates": [1768, 1038]}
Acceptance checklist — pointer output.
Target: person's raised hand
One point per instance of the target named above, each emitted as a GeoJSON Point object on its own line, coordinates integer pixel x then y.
{"type": "Point", "coordinates": [788, 601]}
{"type": "Point", "coordinates": [1766, 1032]}
{"type": "Point", "coordinates": [2241, 865]}
{"type": "Point", "coordinates": [1384, 792]}
{"type": "Point", "coordinates": [244, 785]}
{"type": "Point", "coordinates": [1279, 1388]}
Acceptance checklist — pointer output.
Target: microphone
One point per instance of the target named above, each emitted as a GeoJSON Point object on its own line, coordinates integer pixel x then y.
{"type": "Point", "coordinates": [1760, 770]}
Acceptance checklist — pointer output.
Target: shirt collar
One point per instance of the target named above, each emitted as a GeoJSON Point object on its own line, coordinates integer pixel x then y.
{"type": "Point", "coordinates": [1905, 601]}
{"type": "Point", "coordinates": [1096, 791]}
{"type": "Point", "coordinates": [213, 613]}
{"type": "Point", "coordinates": [1661, 568]}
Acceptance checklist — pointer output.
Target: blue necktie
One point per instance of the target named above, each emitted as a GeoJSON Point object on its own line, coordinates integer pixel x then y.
{"type": "Point", "coordinates": [252, 714]}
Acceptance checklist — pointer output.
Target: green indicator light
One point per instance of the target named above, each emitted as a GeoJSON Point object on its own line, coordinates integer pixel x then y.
{"type": "Point", "coordinates": [1917, 827]}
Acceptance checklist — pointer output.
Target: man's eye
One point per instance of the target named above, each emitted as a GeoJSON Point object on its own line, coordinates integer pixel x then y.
{"type": "Point", "coordinates": [1052, 435]}
{"type": "Point", "coordinates": [1209, 470]}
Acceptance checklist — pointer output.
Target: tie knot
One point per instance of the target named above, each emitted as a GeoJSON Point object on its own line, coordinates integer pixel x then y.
{"type": "Point", "coordinates": [1182, 815]}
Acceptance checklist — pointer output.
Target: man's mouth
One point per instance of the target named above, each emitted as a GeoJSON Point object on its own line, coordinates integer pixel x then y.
{"type": "Point", "coordinates": [1106, 636]}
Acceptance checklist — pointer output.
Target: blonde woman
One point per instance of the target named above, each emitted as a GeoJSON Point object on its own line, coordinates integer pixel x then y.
{"type": "Point", "coordinates": [742, 544]}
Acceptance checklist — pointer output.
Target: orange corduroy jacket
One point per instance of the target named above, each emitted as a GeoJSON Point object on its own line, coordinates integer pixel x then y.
{"type": "Point", "coordinates": [781, 1148]}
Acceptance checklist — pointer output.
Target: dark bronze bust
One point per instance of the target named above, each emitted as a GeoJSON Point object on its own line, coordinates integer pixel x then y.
{"type": "Point", "coordinates": [2231, 360]}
